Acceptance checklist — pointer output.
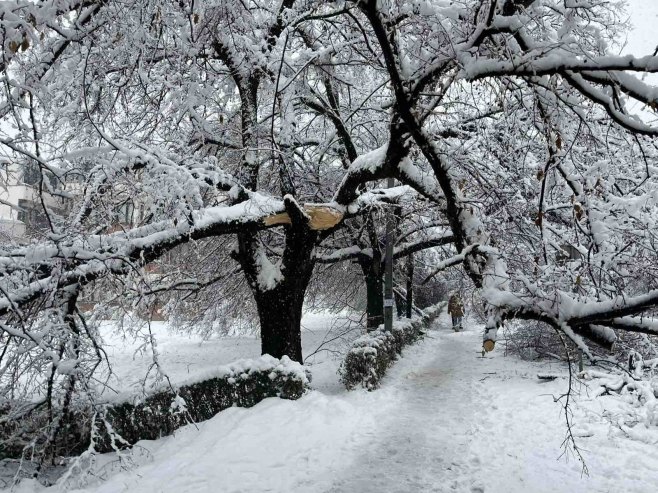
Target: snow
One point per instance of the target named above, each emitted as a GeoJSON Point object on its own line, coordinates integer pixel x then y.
{"type": "Point", "coordinates": [196, 460]}
{"type": "Point", "coordinates": [444, 420]}
{"type": "Point", "coordinates": [376, 196]}
{"type": "Point", "coordinates": [185, 358]}
{"type": "Point", "coordinates": [269, 273]}
{"type": "Point", "coordinates": [426, 182]}
{"type": "Point", "coordinates": [235, 370]}
{"type": "Point", "coordinates": [370, 161]}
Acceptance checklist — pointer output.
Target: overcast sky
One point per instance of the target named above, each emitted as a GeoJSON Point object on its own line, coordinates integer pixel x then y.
{"type": "Point", "coordinates": [643, 38]}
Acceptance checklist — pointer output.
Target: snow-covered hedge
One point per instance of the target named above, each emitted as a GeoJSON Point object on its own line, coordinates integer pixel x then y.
{"type": "Point", "coordinates": [243, 384]}
{"type": "Point", "coordinates": [130, 418]}
{"type": "Point", "coordinates": [372, 354]}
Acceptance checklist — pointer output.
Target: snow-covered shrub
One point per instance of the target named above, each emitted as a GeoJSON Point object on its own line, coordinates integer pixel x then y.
{"type": "Point", "coordinates": [128, 419]}
{"type": "Point", "coordinates": [373, 353]}
{"type": "Point", "coordinates": [531, 340]}
{"type": "Point", "coordinates": [33, 437]}
{"type": "Point", "coordinates": [243, 384]}
{"type": "Point", "coordinates": [635, 410]}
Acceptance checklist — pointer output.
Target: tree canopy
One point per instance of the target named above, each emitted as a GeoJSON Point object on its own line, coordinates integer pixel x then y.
{"type": "Point", "coordinates": [268, 127]}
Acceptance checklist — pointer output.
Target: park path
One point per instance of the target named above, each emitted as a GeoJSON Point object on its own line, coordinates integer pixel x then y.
{"type": "Point", "coordinates": [452, 421]}
{"type": "Point", "coordinates": [428, 441]}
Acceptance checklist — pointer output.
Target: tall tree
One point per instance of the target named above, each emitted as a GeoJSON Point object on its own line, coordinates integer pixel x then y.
{"type": "Point", "coordinates": [273, 123]}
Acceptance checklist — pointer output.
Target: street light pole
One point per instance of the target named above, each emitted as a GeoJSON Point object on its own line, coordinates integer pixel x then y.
{"type": "Point", "coordinates": [388, 273]}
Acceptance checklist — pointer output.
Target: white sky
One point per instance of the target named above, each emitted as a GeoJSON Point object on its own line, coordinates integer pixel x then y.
{"type": "Point", "coordinates": [643, 37]}
{"type": "Point", "coordinates": [642, 41]}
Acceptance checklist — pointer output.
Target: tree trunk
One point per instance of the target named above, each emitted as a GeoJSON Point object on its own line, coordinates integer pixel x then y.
{"type": "Point", "coordinates": [410, 284]}
{"type": "Point", "coordinates": [399, 303]}
{"type": "Point", "coordinates": [374, 292]}
{"type": "Point", "coordinates": [280, 301]}
{"type": "Point", "coordinates": [280, 314]}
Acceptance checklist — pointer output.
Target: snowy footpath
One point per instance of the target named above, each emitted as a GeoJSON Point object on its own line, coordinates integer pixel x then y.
{"type": "Point", "coordinates": [453, 421]}
{"type": "Point", "coordinates": [445, 420]}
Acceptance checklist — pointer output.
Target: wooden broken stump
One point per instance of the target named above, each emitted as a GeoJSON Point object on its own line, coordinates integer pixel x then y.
{"type": "Point", "coordinates": [321, 217]}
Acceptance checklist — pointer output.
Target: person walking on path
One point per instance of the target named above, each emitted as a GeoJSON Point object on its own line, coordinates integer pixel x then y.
{"type": "Point", "coordinates": [456, 311]}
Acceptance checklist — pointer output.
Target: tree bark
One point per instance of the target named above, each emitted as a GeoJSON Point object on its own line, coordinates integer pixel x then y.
{"type": "Point", "coordinates": [280, 306]}
{"type": "Point", "coordinates": [399, 303]}
{"type": "Point", "coordinates": [410, 285]}
{"type": "Point", "coordinates": [280, 315]}
{"type": "Point", "coordinates": [374, 278]}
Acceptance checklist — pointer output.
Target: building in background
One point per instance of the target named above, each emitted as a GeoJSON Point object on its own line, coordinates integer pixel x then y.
{"type": "Point", "coordinates": [22, 212]}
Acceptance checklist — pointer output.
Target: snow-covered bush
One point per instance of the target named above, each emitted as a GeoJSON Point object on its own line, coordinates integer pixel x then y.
{"type": "Point", "coordinates": [634, 408]}
{"type": "Point", "coordinates": [128, 419]}
{"type": "Point", "coordinates": [533, 340]}
{"type": "Point", "coordinates": [373, 353]}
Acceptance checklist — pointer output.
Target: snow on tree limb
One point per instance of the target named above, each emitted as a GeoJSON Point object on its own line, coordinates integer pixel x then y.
{"type": "Point", "coordinates": [150, 132]}
{"type": "Point", "coordinates": [534, 64]}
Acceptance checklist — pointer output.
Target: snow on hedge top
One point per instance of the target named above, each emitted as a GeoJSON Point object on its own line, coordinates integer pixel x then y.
{"type": "Point", "coordinates": [284, 368]}
{"type": "Point", "coordinates": [380, 336]}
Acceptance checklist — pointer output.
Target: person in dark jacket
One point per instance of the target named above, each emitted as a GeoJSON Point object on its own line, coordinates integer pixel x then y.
{"type": "Point", "coordinates": [456, 310]}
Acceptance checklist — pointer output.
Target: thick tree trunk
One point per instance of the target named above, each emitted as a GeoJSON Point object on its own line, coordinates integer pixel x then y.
{"type": "Point", "coordinates": [374, 278]}
{"type": "Point", "coordinates": [280, 301]}
{"type": "Point", "coordinates": [280, 314]}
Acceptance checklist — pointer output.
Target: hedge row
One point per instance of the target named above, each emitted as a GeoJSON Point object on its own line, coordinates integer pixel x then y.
{"type": "Point", "coordinates": [373, 353]}
{"type": "Point", "coordinates": [128, 419]}
{"type": "Point", "coordinates": [243, 384]}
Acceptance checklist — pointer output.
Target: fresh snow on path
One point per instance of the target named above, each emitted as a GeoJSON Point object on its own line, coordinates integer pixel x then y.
{"type": "Point", "coordinates": [457, 422]}
{"type": "Point", "coordinates": [426, 434]}
{"type": "Point", "coordinates": [444, 420]}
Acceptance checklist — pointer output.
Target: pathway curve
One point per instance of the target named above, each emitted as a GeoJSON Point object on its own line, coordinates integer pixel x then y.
{"type": "Point", "coordinates": [452, 421]}
{"type": "Point", "coordinates": [424, 441]}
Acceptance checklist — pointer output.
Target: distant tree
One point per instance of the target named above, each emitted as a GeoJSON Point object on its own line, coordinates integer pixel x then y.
{"type": "Point", "coordinates": [417, 230]}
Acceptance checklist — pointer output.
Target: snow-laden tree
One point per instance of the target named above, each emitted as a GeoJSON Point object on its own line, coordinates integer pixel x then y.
{"type": "Point", "coordinates": [419, 226]}
{"type": "Point", "coordinates": [551, 199]}
{"type": "Point", "coordinates": [167, 124]}
{"type": "Point", "coordinates": [266, 127]}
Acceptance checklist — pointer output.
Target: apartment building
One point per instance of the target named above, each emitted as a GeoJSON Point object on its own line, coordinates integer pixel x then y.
{"type": "Point", "coordinates": [21, 206]}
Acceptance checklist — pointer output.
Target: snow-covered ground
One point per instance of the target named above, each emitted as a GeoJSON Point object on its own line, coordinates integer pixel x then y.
{"type": "Point", "coordinates": [181, 356]}
{"type": "Point", "coordinates": [444, 420]}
